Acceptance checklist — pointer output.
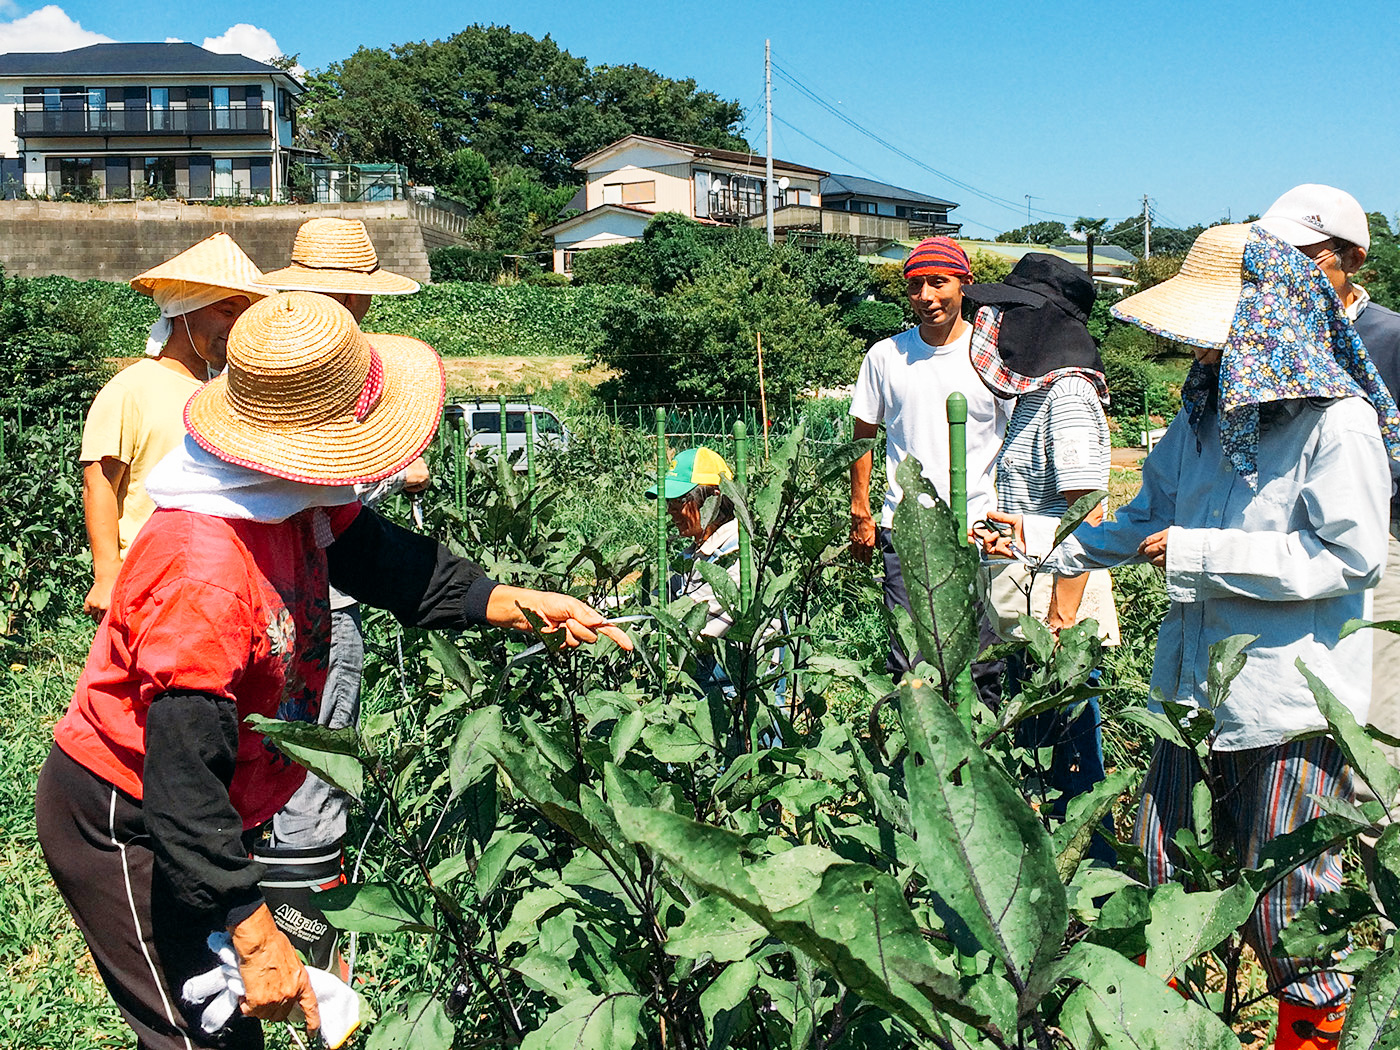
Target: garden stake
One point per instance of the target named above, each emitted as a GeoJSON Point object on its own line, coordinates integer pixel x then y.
{"type": "Point", "coordinates": [459, 464]}
{"type": "Point", "coordinates": [741, 476]}
{"type": "Point", "coordinates": [530, 446]}
{"type": "Point", "coordinates": [663, 576]}
{"type": "Point", "coordinates": [505, 458]}
{"type": "Point", "coordinates": [957, 491]}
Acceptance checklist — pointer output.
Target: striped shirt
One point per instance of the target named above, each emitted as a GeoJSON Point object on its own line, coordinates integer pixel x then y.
{"type": "Point", "coordinates": [1057, 441]}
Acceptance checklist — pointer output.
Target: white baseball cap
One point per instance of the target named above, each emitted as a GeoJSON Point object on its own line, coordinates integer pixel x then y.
{"type": "Point", "coordinates": [1311, 213]}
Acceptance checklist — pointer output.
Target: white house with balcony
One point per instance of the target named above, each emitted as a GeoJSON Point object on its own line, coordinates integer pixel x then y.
{"type": "Point", "coordinates": [113, 121]}
{"type": "Point", "coordinates": [636, 177]}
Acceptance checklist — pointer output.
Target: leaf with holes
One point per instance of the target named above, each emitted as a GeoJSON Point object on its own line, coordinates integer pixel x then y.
{"type": "Point", "coordinates": [981, 848]}
{"type": "Point", "coordinates": [940, 574]}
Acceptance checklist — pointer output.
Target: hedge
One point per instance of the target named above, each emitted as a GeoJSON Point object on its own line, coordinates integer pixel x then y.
{"type": "Point", "coordinates": [458, 318]}
{"type": "Point", "coordinates": [467, 319]}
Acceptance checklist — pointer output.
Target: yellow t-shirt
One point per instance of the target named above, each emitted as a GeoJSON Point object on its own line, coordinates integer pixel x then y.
{"type": "Point", "coordinates": [137, 418]}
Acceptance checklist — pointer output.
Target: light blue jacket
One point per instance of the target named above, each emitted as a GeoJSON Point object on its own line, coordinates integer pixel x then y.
{"type": "Point", "coordinates": [1290, 563]}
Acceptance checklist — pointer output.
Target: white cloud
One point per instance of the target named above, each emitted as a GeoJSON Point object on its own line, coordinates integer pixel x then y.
{"type": "Point", "coordinates": [173, 40]}
{"type": "Point", "coordinates": [243, 39]}
{"type": "Point", "coordinates": [47, 29]}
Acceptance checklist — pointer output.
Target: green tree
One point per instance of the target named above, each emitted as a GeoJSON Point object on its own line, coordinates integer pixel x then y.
{"type": "Point", "coordinates": [367, 109]}
{"type": "Point", "coordinates": [516, 100]}
{"type": "Point", "coordinates": [700, 341]}
{"type": "Point", "coordinates": [1381, 273]}
{"type": "Point", "coordinates": [1047, 232]}
{"type": "Point", "coordinates": [469, 180]}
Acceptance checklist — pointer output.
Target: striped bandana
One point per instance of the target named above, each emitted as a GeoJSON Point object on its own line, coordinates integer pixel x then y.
{"type": "Point", "coordinates": [1003, 382]}
{"type": "Point", "coordinates": [935, 255]}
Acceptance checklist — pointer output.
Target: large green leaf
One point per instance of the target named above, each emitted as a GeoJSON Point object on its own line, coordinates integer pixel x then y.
{"type": "Point", "coordinates": [725, 998]}
{"type": "Point", "coordinates": [850, 918]}
{"type": "Point", "coordinates": [981, 847]}
{"type": "Point", "coordinates": [595, 1022]}
{"type": "Point", "coordinates": [494, 859]}
{"type": "Point", "coordinates": [450, 659]}
{"type": "Point", "coordinates": [1072, 518]}
{"type": "Point", "coordinates": [1120, 1006]}
{"type": "Point", "coordinates": [940, 573]}
{"type": "Point", "coordinates": [1186, 924]}
{"type": "Point", "coordinates": [1388, 872]}
{"type": "Point", "coordinates": [716, 928]}
{"type": "Point", "coordinates": [1083, 817]}
{"type": "Point", "coordinates": [1367, 760]}
{"type": "Point", "coordinates": [331, 754]}
{"type": "Point", "coordinates": [470, 756]}
{"type": "Point", "coordinates": [421, 1025]}
{"type": "Point", "coordinates": [531, 777]}
{"type": "Point", "coordinates": [1373, 1019]}
{"type": "Point", "coordinates": [769, 500]}
{"type": "Point", "coordinates": [1324, 924]}
{"type": "Point", "coordinates": [376, 907]}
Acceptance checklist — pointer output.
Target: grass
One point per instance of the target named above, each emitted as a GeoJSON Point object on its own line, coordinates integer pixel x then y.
{"type": "Point", "coordinates": [50, 994]}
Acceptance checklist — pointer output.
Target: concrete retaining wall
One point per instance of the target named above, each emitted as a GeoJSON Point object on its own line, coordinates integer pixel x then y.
{"type": "Point", "coordinates": [115, 242]}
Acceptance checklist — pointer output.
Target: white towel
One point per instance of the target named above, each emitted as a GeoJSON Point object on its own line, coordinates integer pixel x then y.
{"type": "Point", "coordinates": [223, 987]}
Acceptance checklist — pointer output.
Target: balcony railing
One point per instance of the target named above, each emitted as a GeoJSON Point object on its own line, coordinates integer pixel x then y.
{"type": "Point", "coordinates": [34, 123]}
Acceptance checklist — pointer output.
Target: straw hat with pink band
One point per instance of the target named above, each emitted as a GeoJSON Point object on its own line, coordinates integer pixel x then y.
{"type": "Point", "coordinates": [337, 256]}
{"type": "Point", "coordinates": [209, 272]}
{"type": "Point", "coordinates": [309, 397]}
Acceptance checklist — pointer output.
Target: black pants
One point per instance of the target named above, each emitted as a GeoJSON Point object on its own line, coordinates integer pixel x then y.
{"type": "Point", "coordinates": [986, 674]}
{"type": "Point", "coordinates": [144, 942]}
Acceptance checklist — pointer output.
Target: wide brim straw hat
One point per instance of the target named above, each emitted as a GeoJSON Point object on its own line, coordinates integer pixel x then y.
{"type": "Point", "coordinates": [1198, 305]}
{"type": "Point", "coordinates": [336, 255]}
{"type": "Point", "coordinates": [216, 261]}
{"type": "Point", "coordinates": [309, 397]}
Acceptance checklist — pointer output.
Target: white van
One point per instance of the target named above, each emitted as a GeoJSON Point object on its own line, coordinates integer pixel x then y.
{"type": "Point", "coordinates": [483, 422]}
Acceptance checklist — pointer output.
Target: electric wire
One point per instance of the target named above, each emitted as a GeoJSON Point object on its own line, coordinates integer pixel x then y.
{"type": "Point", "coordinates": [834, 110]}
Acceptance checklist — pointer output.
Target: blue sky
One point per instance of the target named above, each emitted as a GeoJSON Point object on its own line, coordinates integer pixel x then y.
{"type": "Point", "coordinates": [1211, 109]}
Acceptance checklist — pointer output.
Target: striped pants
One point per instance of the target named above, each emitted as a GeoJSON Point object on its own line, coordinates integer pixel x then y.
{"type": "Point", "coordinates": [1261, 794]}
{"type": "Point", "coordinates": [145, 944]}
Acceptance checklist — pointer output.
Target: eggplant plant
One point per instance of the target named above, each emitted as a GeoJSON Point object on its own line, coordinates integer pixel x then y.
{"type": "Point", "coordinates": [583, 848]}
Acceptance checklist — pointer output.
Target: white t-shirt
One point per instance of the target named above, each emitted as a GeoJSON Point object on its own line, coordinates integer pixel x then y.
{"type": "Point", "coordinates": [904, 383]}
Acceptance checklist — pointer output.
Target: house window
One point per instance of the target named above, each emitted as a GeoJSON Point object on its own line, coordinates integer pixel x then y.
{"type": "Point", "coordinates": [639, 192]}
{"type": "Point", "coordinates": [223, 177]}
{"type": "Point", "coordinates": [569, 261]}
{"type": "Point", "coordinates": [260, 176]}
{"type": "Point", "coordinates": [221, 102]}
{"type": "Point", "coordinates": [612, 194]}
{"type": "Point", "coordinates": [72, 176]}
{"type": "Point", "coordinates": [158, 176]}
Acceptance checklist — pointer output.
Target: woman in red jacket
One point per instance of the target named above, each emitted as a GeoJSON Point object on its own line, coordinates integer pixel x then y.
{"type": "Point", "coordinates": [221, 611]}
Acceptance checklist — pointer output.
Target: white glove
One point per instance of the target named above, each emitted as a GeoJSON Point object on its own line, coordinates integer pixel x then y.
{"type": "Point", "coordinates": [223, 987]}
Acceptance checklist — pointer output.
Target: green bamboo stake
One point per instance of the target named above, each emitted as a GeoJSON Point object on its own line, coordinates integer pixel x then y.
{"type": "Point", "coordinates": [741, 475]}
{"type": "Point", "coordinates": [530, 446]}
{"type": "Point", "coordinates": [663, 575]}
{"type": "Point", "coordinates": [963, 692]}
{"type": "Point", "coordinates": [501, 401]}
{"type": "Point", "coordinates": [459, 464]}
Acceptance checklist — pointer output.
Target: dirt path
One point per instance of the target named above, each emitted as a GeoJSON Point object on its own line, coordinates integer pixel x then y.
{"type": "Point", "coordinates": [493, 375]}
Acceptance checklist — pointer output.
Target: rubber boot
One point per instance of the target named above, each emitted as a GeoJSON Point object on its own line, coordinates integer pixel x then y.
{"type": "Point", "coordinates": [290, 884]}
{"type": "Point", "coordinates": [1308, 1027]}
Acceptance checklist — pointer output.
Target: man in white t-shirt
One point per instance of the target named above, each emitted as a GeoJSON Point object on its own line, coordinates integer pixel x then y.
{"type": "Point", "coordinates": [904, 384]}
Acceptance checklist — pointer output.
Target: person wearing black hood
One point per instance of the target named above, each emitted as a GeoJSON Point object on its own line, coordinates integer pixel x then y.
{"type": "Point", "coordinates": [1030, 342]}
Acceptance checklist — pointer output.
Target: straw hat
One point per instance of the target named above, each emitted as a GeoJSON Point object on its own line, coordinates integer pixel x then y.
{"type": "Point", "coordinates": [215, 261]}
{"type": "Point", "coordinates": [309, 397]}
{"type": "Point", "coordinates": [1196, 306]}
{"type": "Point", "coordinates": [336, 255]}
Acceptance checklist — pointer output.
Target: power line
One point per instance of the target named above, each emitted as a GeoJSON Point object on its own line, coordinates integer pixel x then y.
{"type": "Point", "coordinates": [832, 109]}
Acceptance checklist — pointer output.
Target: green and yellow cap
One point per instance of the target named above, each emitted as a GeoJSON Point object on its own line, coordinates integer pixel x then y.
{"type": "Point", "coordinates": [694, 466]}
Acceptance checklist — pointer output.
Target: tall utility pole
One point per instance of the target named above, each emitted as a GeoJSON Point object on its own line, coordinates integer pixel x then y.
{"type": "Point", "coordinates": [768, 102]}
{"type": "Point", "coordinates": [1146, 227]}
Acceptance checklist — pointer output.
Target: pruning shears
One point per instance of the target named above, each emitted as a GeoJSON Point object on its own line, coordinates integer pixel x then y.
{"type": "Point", "coordinates": [1006, 531]}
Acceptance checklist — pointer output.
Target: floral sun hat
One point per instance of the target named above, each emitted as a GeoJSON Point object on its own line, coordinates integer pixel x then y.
{"type": "Point", "coordinates": [1287, 336]}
